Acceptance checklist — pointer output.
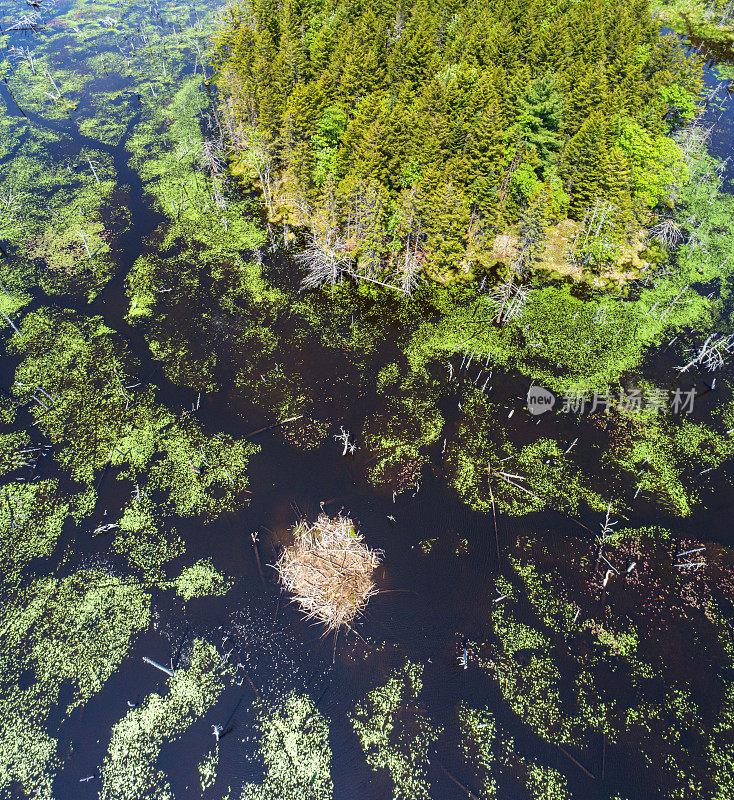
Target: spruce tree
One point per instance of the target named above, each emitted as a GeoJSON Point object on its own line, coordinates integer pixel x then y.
{"type": "Point", "coordinates": [585, 168]}
{"type": "Point", "coordinates": [420, 54]}
{"type": "Point", "coordinates": [446, 215]}
{"type": "Point", "coordinates": [267, 88]}
{"type": "Point", "coordinates": [585, 88]}
{"type": "Point", "coordinates": [540, 119]}
{"type": "Point", "coordinates": [553, 49]}
{"type": "Point", "coordinates": [297, 125]}
{"type": "Point", "coordinates": [291, 60]}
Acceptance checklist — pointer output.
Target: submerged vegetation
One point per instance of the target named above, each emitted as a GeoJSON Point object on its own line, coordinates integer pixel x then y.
{"type": "Point", "coordinates": [557, 656]}
{"type": "Point", "coordinates": [402, 749]}
{"type": "Point", "coordinates": [128, 770]}
{"type": "Point", "coordinates": [526, 195]}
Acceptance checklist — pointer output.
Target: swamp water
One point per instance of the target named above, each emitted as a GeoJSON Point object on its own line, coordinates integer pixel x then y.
{"type": "Point", "coordinates": [160, 336]}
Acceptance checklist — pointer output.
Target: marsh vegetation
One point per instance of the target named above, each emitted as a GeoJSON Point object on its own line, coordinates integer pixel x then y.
{"type": "Point", "coordinates": [267, 305]}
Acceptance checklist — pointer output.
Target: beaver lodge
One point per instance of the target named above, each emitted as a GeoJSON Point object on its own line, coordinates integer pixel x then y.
{"type": "Point", "coordinates": [328, 570]}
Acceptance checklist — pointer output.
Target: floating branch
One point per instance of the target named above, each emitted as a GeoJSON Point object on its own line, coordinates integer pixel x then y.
{"type": "Point", "coordinates": [508, 300]}
{"type": "Point", "coordinates": [8, 87]}
{"type": "Point", "coordinates": [712, 353]}
{"type": "Point", "coordinates": [452, 778]}
{"type": "Point", "coordinates": [155, 664]}
{"type": "Point", "coordinates": [343, 437]}
{"type": "Point", "coordinates": [86, 247]}
{"type": "Point", "coordinates": [91, 164]}
{"type": "Point", "coordinates": [10, 322]}
{"type": "Point", "coordinates": [26, 23]}
{"type": "Point", "coordinates": [274, 425]}
{"type": "Point", "coordinates": [110, 526]}
{"type": "Point", "coordinates": [254, 536]}
{"type": "Point", "coordinates": [607, 530]}
{"type": "Point", "coordinates": [25, 54]}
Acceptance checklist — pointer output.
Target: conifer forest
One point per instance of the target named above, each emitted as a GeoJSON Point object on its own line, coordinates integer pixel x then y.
{"type": "Point", "coordinates": [366, 400]}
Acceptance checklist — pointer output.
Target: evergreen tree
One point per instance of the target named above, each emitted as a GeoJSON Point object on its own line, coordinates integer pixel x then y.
{"type": "Point", "coordinates": [299, 119]}
{"type": "Point", "coordinates": [420, 54]}
{"type": "Point", "coordinates": [553, 50]}
{"type": "Point", "coordinates": [268, 91]}
{"type": "Point", "coordinates": [486, 152]}
{"type": "Point", "coordinates": [585, 167]}
{"type": "Point", "coordinates": [540, 119]}
{"type": "Point", "coordinates": [291, 61]}
{"type": "Point", "coordinates": [446, 216]}
{"type": "Point", "coordinates": [585, 88]}
{"type": "Point", "coordinates": [321, 49]}
{"type": "Point", "coordinates": [619, 185]}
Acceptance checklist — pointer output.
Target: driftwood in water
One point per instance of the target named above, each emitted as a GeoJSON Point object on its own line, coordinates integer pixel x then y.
{"type": "Point", "coordinates": [253, 536]}
{"type": "Point", "coordinates": [155, 664]}
{"type": "Point", "coordinates": [10, 321]}
{"type": "Point", "coordinates": [579, 765]}
{"type": "Point", "coordinates": [274, 425]}
{"type": "Point", "coordinates": [459, 784]}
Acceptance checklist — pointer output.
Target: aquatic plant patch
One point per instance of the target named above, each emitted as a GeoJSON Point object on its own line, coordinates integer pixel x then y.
{"type": "Point", "coordinates": [129, 770]}
{"type": "Point", "coordinates": [294, 745]}
{"type": "Point", "coordinates": [395, 734]}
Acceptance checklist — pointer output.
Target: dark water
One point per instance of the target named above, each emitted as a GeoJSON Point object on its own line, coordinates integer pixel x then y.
{"type": "Point", "coordinates": [428, 606]}
{"type": "Point", "coordinates": [721, 111]}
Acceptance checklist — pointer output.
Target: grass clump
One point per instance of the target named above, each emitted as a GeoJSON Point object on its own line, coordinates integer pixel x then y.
{"type": "Point", "coordinates": [329, 570]}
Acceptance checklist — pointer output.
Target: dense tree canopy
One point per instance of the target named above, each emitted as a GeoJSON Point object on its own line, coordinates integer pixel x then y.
{"type": "Point", "coordinates": [410, 132]}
